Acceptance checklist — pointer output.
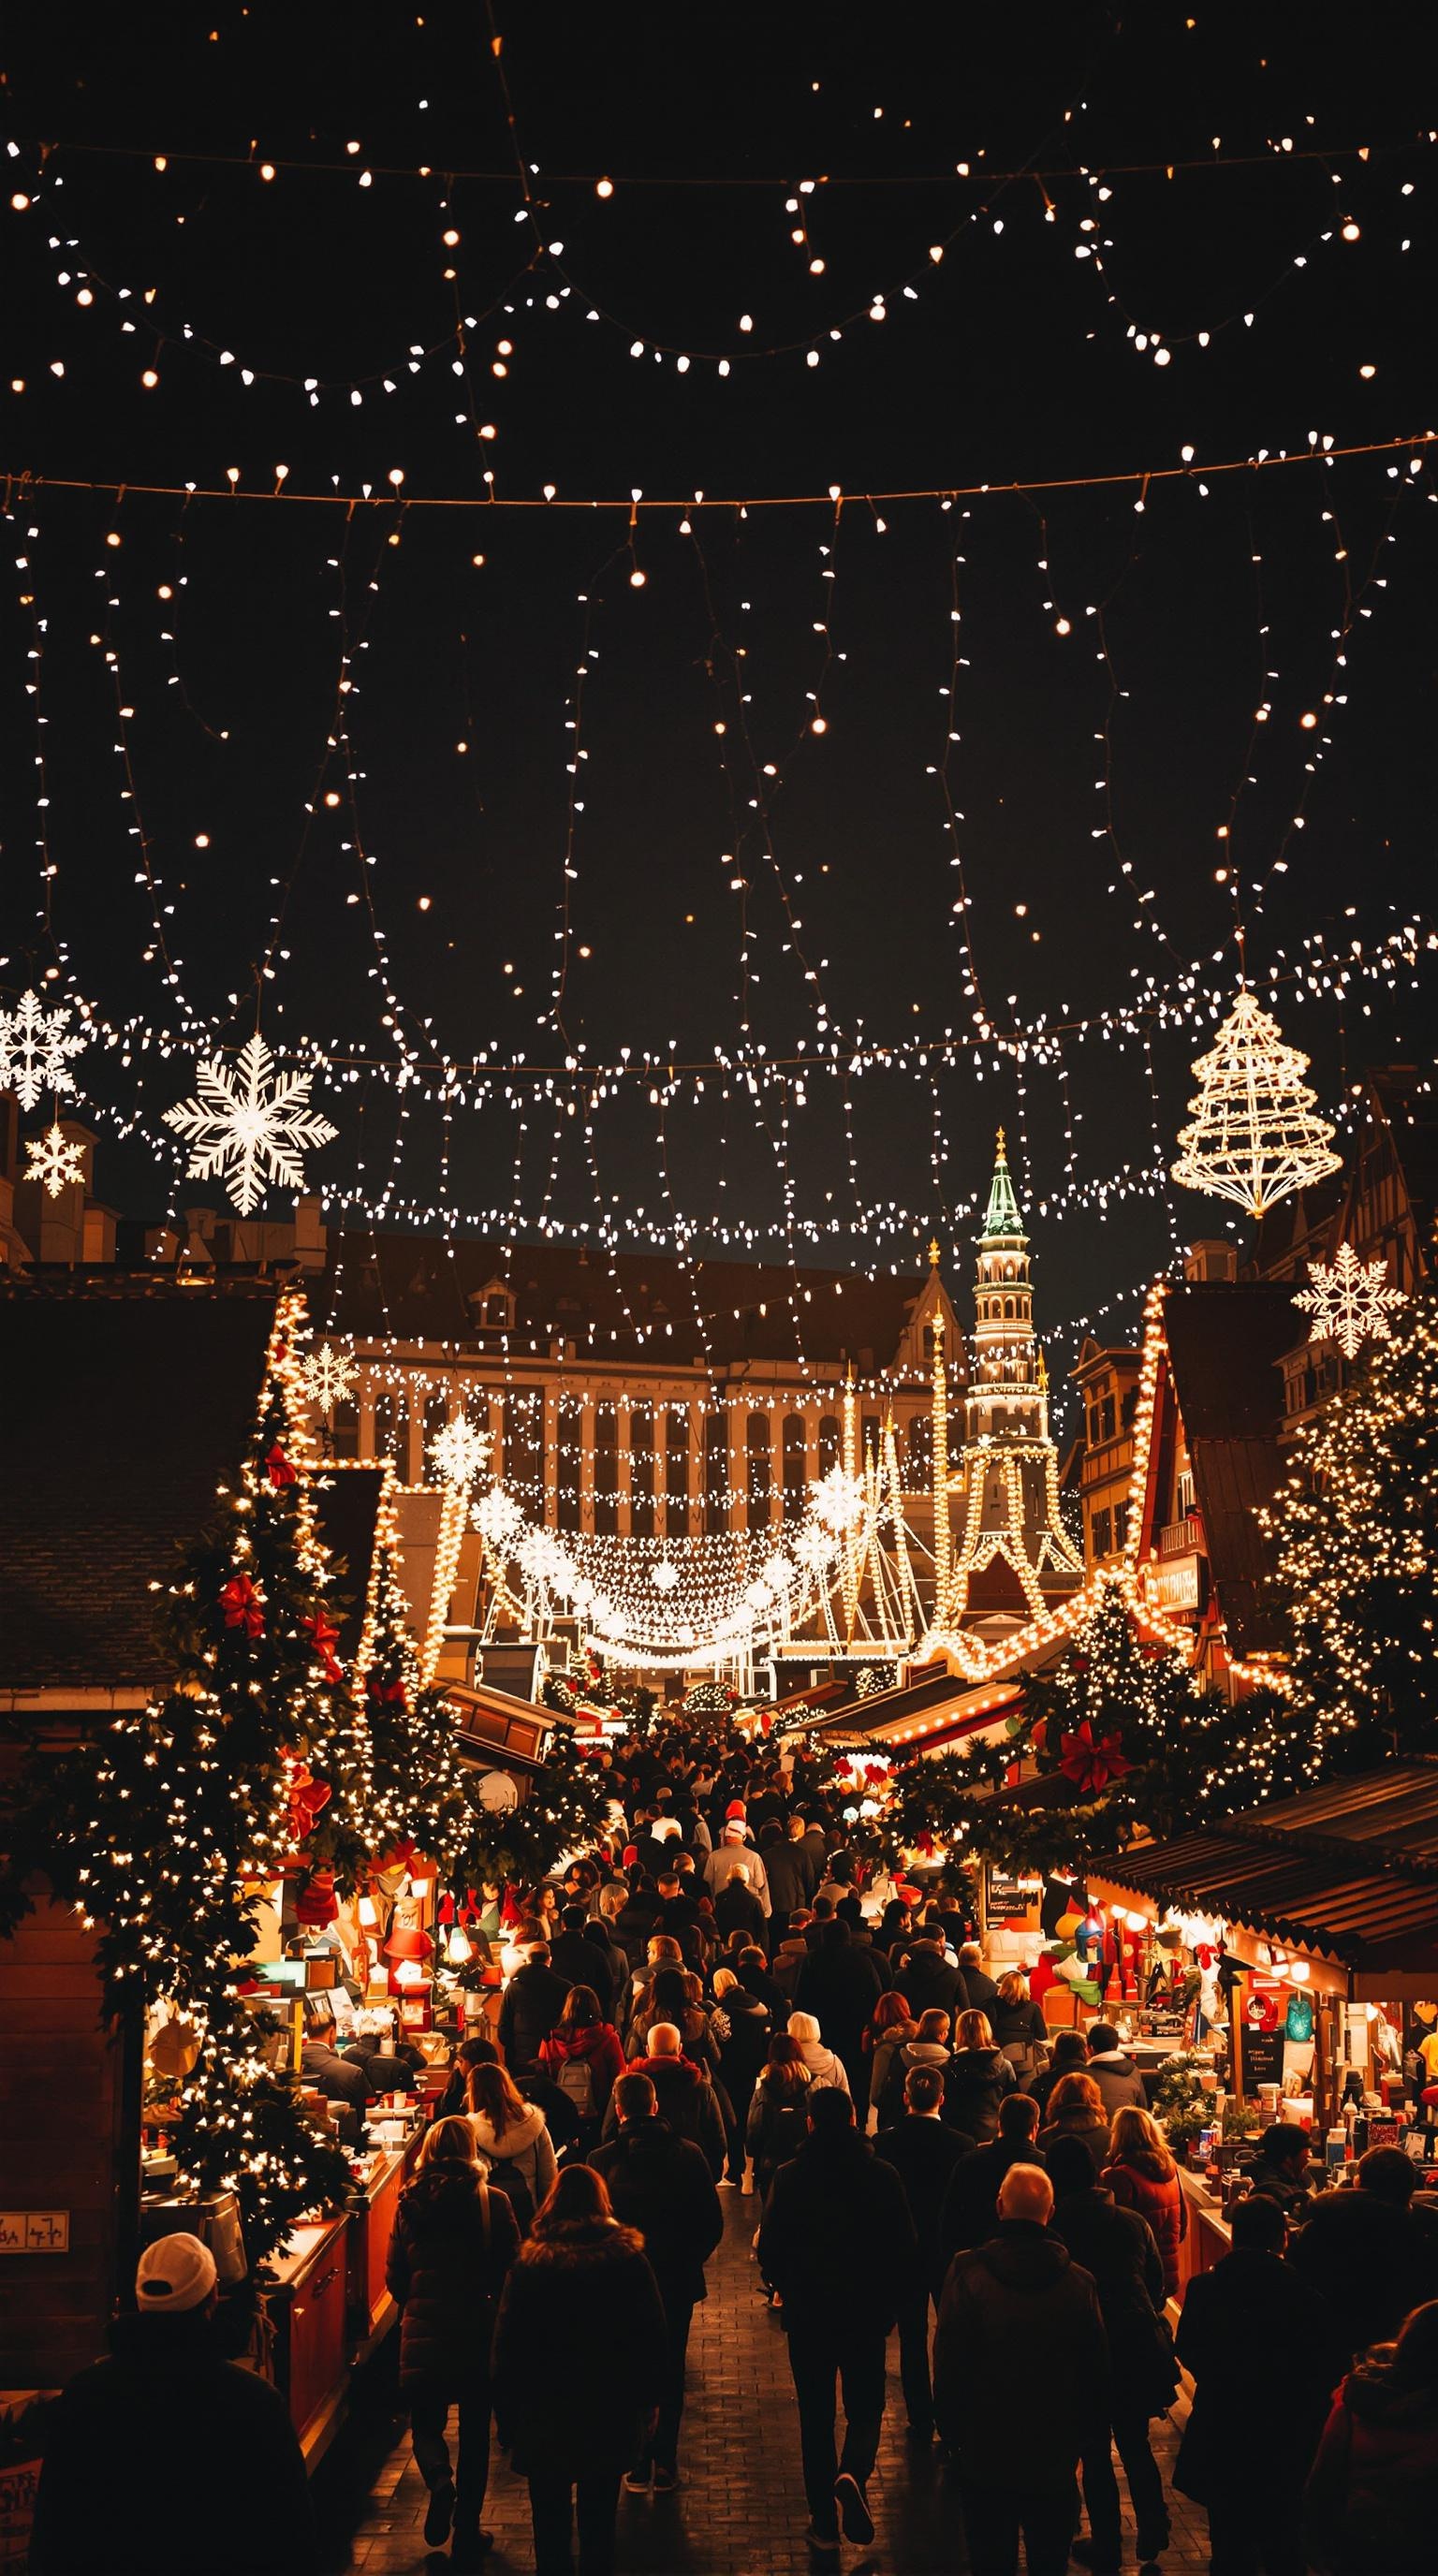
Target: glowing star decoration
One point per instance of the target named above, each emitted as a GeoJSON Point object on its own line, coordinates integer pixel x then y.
{"type": "Point", "coordinates": [56, 1160]}
{"type": "Point", "coordinates": [34, 1045]}
{"type": "Point", "coordinates": [330, 1376]}
{"type": "Point", "coordinates": [249, 1125]}
{"type": "Point", "coordinates": [459, 1452]}
{"type": "Point", "coordinates": [1254, 1136]}
{"type": "Point", "coordinates": [1350, 1301]}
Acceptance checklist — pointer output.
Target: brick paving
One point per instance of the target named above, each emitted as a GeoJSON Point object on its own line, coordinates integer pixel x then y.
{"type": "Point", "coordinates": [742, 2507]}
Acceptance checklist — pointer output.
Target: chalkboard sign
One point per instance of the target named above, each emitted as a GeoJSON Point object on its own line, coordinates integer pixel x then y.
{"type": "Point", "coordinates": [1009, 1897]}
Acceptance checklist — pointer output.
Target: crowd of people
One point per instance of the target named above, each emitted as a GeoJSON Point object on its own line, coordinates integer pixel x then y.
{"type": "Point", "coordinates": [710, 2004]}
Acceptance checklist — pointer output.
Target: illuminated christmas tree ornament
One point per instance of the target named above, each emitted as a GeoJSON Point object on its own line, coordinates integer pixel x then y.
{"type": "Point", "coordinates": [1254, 1136]}
{"type": "Point", "coordinates": [1349, 1301]}
{"type": "Point", "coordinates": [56, 1160]}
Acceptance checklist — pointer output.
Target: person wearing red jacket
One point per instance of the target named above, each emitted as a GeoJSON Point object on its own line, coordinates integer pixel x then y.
{"type": "Point", "coordinates": [1143, 2176]}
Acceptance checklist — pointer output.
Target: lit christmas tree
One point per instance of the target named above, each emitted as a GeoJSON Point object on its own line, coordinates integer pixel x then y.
{"type": "Point", "coordinates": [1356, 1529]}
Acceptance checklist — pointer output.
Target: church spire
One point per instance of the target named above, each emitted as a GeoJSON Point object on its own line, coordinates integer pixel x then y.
{"type": "Point", "coordinates": [1003, 1217]}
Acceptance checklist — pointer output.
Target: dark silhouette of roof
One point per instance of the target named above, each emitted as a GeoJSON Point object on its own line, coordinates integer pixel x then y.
{"type": "Point", "coordinates": [1225, 1340]}
{"type": "Point", "coordinates": [633, 1305]}
{"type": "Point", "coordinates": [123, 1405]}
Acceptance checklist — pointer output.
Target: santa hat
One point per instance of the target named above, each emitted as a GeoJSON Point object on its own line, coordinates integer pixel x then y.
{"type": "Point", "coordinates": [735, 1808]}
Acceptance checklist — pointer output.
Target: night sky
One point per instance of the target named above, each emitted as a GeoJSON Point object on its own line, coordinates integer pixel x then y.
{"type": "Point", "coordinates": [1094, 767]}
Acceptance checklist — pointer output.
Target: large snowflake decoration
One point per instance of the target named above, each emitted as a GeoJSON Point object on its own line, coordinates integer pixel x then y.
{"type": "Point", "coordinates": [330, 1376]}
{"type": "Point", "coordinates": [56, 1160]}
{"type": "Point", "coordinates": [498, 1518]}
{"type": "Point", "coordinates": [838, 1500]}
{"type": "Point", "coordinates": [458, 1452]}
{"type": "Point", "coordinates": [249, 1124]}
{"type": "Point", "coordinates": [1349, 1301]}
{"type": "Point", "coordinates": [34, 1044]}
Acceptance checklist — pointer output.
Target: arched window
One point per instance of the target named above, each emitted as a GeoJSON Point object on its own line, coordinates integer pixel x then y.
{"type": "Point", "coordinates": [828, 1443]}
{"type": "Point", "coordinates": [523, 1460]}
{"type": "Point", "coordinates": [760, 1469]}
{"type": "Point", "coordinates": [1008, 1306]}
{"type": "Point", "coordinates": [795, 1466]}
{"type": "Point", "coordinates": [641, 1470]}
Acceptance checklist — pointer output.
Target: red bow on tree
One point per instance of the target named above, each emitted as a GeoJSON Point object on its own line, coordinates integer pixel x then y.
{"type": "Point", "coordinates": [326, 1638]}
{"type": "Point", "coordinates": [395, 1856]}
{"type": "Point", "coordinates": [1092, 1763]}
{"type": "Point", "coordinates": [242, 1607]}
{"type": "Point", "coordinates": [926, 1844]}
{"type": "Point", "coordinates": [306, 1795]}
{"type": "Point", "coordinates": [279, 1468]}
{"type": "Point", "coordinates": [387, 1691]}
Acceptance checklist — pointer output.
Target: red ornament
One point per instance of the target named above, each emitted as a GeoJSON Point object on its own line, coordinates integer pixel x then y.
{"type": "Point", "coordinates": [1091, 1763]}
{"type": "Point", "coordinates": [242, 1607]}
{"type": "Point", "coordinates": [317, 1902]}
{"type": "Point", "coordinates": [326, 1638]}
{"type": "Point", "coordinates": [280, 1471]}
{"type": "Point", "coordinates": [387, 1692]}
{"type": "Point", "coordinates": [926, 1844]}
{"type": "Point", "coordinates": [1038, 1738]}
{"type": "Point", "coordinates": [307, 1796]}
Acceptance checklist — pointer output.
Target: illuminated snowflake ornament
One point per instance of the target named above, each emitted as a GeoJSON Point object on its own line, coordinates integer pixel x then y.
{"type": "Point", "coordinates": [498, 1518]}
{"type": "Point", "coordinates": [838, 1500]}
{"type": "Point", "coordinates": [458, 1453]}
{"type": "Point", "coordinates": [56, 1160]}
{"type": "Point", "coordinates": [1255, 1136]}
{"type": "Point", "coordinates": [665, 1575]}
{"type": "Point", "coordinates": [330, 1376]}
{"type": "Point", "coordinates": [249, 1125]}
{"type": "Point", "coordinates": [34, 1045]}
{"type": "Point", "coordinates": [1350, 1301]}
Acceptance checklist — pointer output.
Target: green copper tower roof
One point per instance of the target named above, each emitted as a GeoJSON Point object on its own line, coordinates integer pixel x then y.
{"type": "Point", "coordinates": [1003, 1211]}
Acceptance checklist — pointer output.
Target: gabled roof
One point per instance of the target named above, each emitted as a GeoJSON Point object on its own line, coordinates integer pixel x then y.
{"type": "Point", "coordinates": [124, 1403]}
{"type": "Point", "coordinates": [637, 1305]}
{"type": "Point", "coordinates": [1225, 1340]}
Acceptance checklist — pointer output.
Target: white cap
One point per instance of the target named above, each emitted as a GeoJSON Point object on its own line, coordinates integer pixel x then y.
{"type": "Point", "coordinates": [174, 2274]}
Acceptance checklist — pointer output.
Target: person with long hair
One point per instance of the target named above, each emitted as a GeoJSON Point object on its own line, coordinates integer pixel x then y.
{"type": "Point", "coordinates": [775, 2129]}
{"type": "Point", "coordinates": [885, 2033]}
{"type": "Point", "coordinates": [453, 2243]}
{"type": "Point", "coordinates": [1075, 2110]}
{"type": "Point", "coordinates": [579, 2362]}
{"type": "Point", "coordinates": [978, 2078]}
{"type": "Point", "coordinates": [1019, 2027]}
{"type": "Point", "coordinates": [1369, 2503]}
{"type": "Point", "coordinates": [583, 2056]}
{"type": "Point", "coordinates": [513, 2139]}
{"type": "Point", "coordinates": [1142, 2175]}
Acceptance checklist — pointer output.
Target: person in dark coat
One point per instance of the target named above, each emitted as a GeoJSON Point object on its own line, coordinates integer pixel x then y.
{"type": "Point", "coordinates": [778, 2112]}
{"type": "Point", "coordinates": [686, 2097]}
{"type": "Point", "coordinates": [924, 2154]}
{"type": "Point", "coordinates": [1263, 2353]}
{"type": "Point", "coordinates": [1367, 2253]}
{"type": "Point", "coordinates": [737, 1908]}
{"type": "Point", "coordinates": [1117, 2249]}
{"type": "Point", "coordinates": [1019, 2027]}
{"type": "Point", "coordinates": [1369, 2502]}
{"type": "Point", "coordinates": [532, 2003]}
{"type": "Point", "coordinates": [978, 2079]}
{"type": "Point", "coordinates": [449, 2254]}
{"type": "Point", "coordinates": [580, 2351]}
{"type": "Point", "coordinates": [742, 2028]}
{"type": "Point", "coordinates": [1070, 2057]}
{"type": "Point", "coordinates": [927, 2047]}
{"type": "Point", "coordinates": [839, 1985]}
{"type": "Point", "coordinates": [926, 1981]}
{"type": "Point", "coordinates": [983, 1992]}
{"type": "Point", "coordinates": [571, 1957]}
{"type": "Point", "coordinates": [637, 1917]}
{"type": "Point", "coordinates": [616, 1961]}
{"type": "Point", "coordinates": [661, 2185]}
{"type": "Point", "coordinates": [839, 2312]}
{"type": "Point", "coordinates": [1005, 2304]}
{"type": "Point", "coordinates": [971, 2204]}
{"type": "Point", "coordinates": [166, 2407]}
{"type": "Point", "coordinates": [787, 1867]}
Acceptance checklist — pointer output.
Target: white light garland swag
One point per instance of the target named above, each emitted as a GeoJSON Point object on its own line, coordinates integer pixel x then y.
{"type": "Point", "coordinates": [680, 1600]}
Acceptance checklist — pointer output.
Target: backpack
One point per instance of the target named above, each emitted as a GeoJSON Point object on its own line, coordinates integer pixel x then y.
{"type": "Point", "coordinates": [576, 2083]}
{"type": "Point", "coordinates": [503, 2174]}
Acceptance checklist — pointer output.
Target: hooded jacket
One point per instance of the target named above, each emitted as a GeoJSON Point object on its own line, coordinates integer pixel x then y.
{"type": "Point", "coordinates": [977, 2082]}
{"type": "Point", "coordinates": [837, 2240]}
{"type": "Point", "coordinates": [1262, 2348]}
{"type": "Point", "coordinates": [824, 2067]}
{"type": "Point", "coordinates": [579, 2351]}
{"type": "Point", "coordinates": [443, 2269]}
{"type": "Point", "coordinates": [687, 2100]}
{"type": "Point", "coordinates": [597, 2047]}
{"type": "Point", "coordinates": [1010, 2306]}
{"type": "Point", "coordinates": [661, 2185]}
{"type": "Point", "coordinates": [1369, 2502]}
{"type": "Point", "coordinates": [721, 1861]}
{"type": "Point", "coordinates": [1139, 2182]}
{"type": "Point", "coordinates": [1118, 2080]}
{"type": "Point", "coordinates": [927, 1982]}
{"type": "Point", "coordinates": [220, 2431]}
{"type": "Point", "coordinates": [525, 2143]}
{"type": "Point", "coordinates": [899, 2064]}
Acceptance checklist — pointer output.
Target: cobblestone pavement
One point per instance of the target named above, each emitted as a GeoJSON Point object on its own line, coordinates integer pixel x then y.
{"type": "Point", "coordinates": [742, 2507]}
